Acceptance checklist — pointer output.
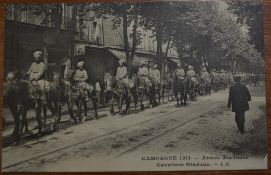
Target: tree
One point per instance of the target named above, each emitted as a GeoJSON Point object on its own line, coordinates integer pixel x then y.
{"type": "Point", "coordinates": [250, 13]}
{"type": "Point", "coordinates": [161, 18]}
{"type": "Point", "coordinates": [124, 14]}
{"type": "Point", "coordinates": [214, 33]}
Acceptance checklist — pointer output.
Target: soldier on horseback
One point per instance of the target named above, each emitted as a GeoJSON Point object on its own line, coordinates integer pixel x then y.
{"type": "Point", "coordinates": [39, 86]}
{"type": "Point", "coordinates": [156, 81]}
{"type": "Point", "coordinates": [81, 77]}
{"type": "Point", "coordinates": [36, 72]}
{"type": "Point", "coordinates": [180, 72]}
{"type": "Point", "coordinates": [122, 74]}
{"type": "Point", "coordinates": [206, 79]}
{"type": "Point", "coordinates": [155, 75]}
{"type": "Point", "coordinates": [205, 75]}
{"type": "Point", "coordinates": [143, 73]}
{"type": "Point", "coordinates": [191, 74]}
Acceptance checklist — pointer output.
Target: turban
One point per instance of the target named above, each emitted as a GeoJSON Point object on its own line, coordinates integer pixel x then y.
{"type": "Point", "coordinates": [37, 53]}
{"type": "Point", "coordinates": [80, 64]}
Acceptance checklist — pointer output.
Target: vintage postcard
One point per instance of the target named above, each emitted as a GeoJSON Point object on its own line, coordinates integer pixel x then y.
{"type": "Point", "coordinates": [140, 86]}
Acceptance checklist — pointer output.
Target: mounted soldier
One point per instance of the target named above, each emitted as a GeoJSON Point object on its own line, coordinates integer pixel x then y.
{"type": "Point", "coordinates": [155, 75]}
{"type": "Point", "coordinates": [205, 76]}
{"type": "Point", "coordinates": [191, 82]}
{"type": "Point", "coordinates": [143, 73]}
{"type": "Point", "coordinates": [180, 73]}
{"type": "Point", "coordinates": [122, 74]}
{"type": "Point", "coordinates": [156, 83]}
{"type": "Point", "coordinates": [179, 85]}
{"type": "Point", "coordinates": [191, 74]}
{"type": "Point", "coordinates": [80, 77]}
{"type": "Point", "coordinates": [36, 72]}
{"type": "Point", "coordinates": [39, 86]}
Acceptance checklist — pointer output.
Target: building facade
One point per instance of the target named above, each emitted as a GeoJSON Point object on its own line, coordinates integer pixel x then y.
{"type": "Point", "coordinates": [49, 28]}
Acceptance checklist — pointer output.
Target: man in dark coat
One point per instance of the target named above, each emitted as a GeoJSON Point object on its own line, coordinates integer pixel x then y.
{"type": "Point", "coordinates": [238, 99]}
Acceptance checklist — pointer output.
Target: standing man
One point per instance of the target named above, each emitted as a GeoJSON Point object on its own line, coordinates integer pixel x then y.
{"type": "Point", "coordinates": [238, 99]}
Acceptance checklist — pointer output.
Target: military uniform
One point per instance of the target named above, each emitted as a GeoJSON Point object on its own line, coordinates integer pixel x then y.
{"type": "Point", "coordinates": [180, 73]}
{"type": "Point", "coordinates": [206, 76]}
{"type": "Point", "coordinates": [155, 76]}
{"type": "Point", "coordinates": [143, 72]}
{"type": "Point", "coordinates": [122, 74]}
{"type": "Point", "coordinates": [36, 74]}
{"type": "Point", "coordinates": [191, 74]}
{"type": "Point", "coordinates": [81, 77]}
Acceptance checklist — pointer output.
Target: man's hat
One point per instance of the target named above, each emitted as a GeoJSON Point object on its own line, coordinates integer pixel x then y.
{"type": "Point", "coordinates": [190, 67]}
{"type": "Point", "coordinates": [121, 61]}
{"type": "Point", "coordinates": [143, 62]}
{"type": "Point", "coordinates": [237, 77]}
{"type": "Point", "coordinates": [10, 77]}
{"type": "Point", "coordinates": [80, 64]}
{"type": "Point", "coordinates": [37, 53]}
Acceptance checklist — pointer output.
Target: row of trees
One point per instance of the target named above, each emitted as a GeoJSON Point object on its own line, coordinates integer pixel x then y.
{"type": "Point", "coordinates": [215, 30]}
{"type": "Point", "coordinates": [226, 34]}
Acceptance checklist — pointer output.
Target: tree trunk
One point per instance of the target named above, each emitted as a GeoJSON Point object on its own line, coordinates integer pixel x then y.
{"type": "Point", "coordinates": [159, 50]}
{"type": "Point", "coordinates": [163, 74]}
{"type": "Point", "coordinates": [126, 41]}
{"type": "Point", "coordinates": [135, 33]}
{"type": "Point", "coordinates": [57, 16]}
{"type": "Point", "coordinates": [73, 31]}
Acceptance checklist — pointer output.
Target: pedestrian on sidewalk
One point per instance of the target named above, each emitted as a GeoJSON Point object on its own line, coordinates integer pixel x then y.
{"type": "Point", "coordinates": [238, 99]}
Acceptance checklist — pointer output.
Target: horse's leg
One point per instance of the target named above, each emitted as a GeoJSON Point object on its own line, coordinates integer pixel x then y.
{"type": "Point", "coordinates": [184, 97]}
{"type": "Point", "coordinates": [59, 112]}
{"type": "Point", "coordinates": [111, 103]}
{"type": "Point", "coordinates": [79, 105]}
{"type": "Point", "coordinates": [95, 108]}
{"type": "Point", "coordinates": [44, 110]}
{"type": "Point", "coordinates": [135, 97]}
{"type": "Point", "coordinates": [38, 117]}
{"type": "Point", "coordinates": [85, 107]}
{"type": "Point", "coordinates": [71, 111]}
{"type": "Point", "coordinates": [15, 113]}
{"type": "Point", "coordinates": [24, 120]}
{"type": "Point", "coordinates": [141, 100]}
{"type": "Point", "coordinates": [120, 103]}
{"type": "Point", "coordinates": [159, 96]}
{"type": "Point", "coordinates": [128, 101]}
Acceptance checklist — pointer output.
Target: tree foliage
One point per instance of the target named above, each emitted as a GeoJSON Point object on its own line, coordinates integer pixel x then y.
{"type": "Point", "coordinates": [124, 15]}
{"type": "Point", "coordinates": [250, 13]}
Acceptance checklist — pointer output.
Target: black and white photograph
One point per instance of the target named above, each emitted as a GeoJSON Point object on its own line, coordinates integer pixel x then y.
{"type": "Point", "coordinates": [134, 86]}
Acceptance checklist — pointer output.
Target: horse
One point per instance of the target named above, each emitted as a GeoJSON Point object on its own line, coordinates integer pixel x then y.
{"type": "Point", "coordinates": [76, 99]}
{"type": "Point", "coordinates": [20, 96]}
{"type": "Point", "coordinates": [190, 86]}
{"type": "Point", "coordinates": [115, 90]}
{"type": "Point", "coordinates": [17, 99]}
{"type": "Point", "coordinates": [143, 89]}
{"type": "Point", "coordinates": [179, 89]}
{"type": "Point", "coordinates": [155, 88]}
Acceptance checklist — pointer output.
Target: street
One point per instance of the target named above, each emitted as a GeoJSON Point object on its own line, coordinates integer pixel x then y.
{"type": "Point", "coordinates": [204, 126]}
